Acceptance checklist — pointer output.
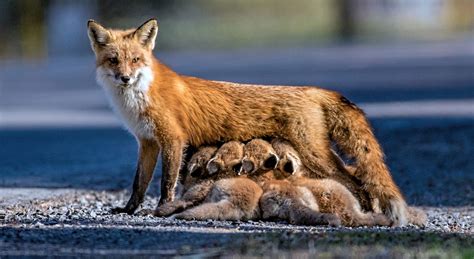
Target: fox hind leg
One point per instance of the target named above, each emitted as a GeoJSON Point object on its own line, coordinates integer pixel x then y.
{"type": "Point", "coordinates": [313, 145]}
{"type": "Point", "coordinates": [350, 129]}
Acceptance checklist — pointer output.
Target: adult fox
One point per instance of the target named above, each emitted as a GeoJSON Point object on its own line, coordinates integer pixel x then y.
{"type": "Point", "coordinates": [167, 111]}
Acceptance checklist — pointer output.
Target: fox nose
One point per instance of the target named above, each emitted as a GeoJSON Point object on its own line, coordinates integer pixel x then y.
{"type": "Point", "coordinates": [125, 79]}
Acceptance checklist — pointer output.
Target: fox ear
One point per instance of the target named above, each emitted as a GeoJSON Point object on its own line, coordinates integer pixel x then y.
{"type": "Point", "coordinates": [213, 166]}
{"type": "Point", "coordinates": [98, 35]}
{"type": "Point", "coordinates": [146, 33]}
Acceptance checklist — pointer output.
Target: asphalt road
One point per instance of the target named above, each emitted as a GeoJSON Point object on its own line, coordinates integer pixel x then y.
{"type": "Point", "coordinates": [61, 92]}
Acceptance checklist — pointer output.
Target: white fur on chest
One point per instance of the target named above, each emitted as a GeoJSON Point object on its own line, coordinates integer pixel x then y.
{"type": "Point", "coordinates": [131, 102]}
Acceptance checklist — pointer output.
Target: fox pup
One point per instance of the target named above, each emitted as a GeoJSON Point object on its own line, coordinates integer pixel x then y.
{"type": "Point", "coordinates": [230, 198]}
{"type": "Point", "coordinates": [221, 195]}
{"type": "Point", "coordinates": [198, 162]}
{"type": "Point", "coordinates": [280, 199]}
{"type": "Point", "coordinates": [331, 196]}
{"type": "Point", "coordinates": [166, 111]}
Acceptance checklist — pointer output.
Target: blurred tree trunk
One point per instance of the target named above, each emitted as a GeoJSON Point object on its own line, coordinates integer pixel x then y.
{"type": "Point", "coordinates": [31, 28]}
{"type": "Point", "coordinates": [346, 25]}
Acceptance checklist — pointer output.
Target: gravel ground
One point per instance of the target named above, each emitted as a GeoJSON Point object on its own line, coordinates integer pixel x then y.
{"type": "Point", "coordinates": [78, 222]}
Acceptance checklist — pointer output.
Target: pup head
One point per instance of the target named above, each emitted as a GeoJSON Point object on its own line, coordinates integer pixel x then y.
{"type": "Point", "coordinates": [227, 159]}
{"type": "Point", "coordinates": [290, 162]}
{"type": "Point", "coordinates": [259, 155]}
{"type": "Point", "coordinates": [123, 57]}
{"type": "Point", "coordinates": [197, 163]}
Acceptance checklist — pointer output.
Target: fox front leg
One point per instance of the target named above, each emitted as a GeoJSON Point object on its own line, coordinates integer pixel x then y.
{"type": "Point", "coordinates": [148, 154]}
{"type": "Point", "coordinates": [172, 156]}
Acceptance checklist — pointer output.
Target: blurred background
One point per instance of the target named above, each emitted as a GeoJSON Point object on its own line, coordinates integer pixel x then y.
{"type": "Point", "coordinates": [408, 63]}
{"type": "Point", "coordinates": [48, 28]}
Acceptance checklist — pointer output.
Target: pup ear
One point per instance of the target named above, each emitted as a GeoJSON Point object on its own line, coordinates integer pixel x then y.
{"type": "Point", "coordinates": [290, 165]}
{"type": "Point", "coordinates": [248, 166]}
{"type": "Point", "coordinates": [214, 166]}
{"type": "Point", "coordinates": [98, 35]}
{"type": "Point", "coordinates": [271, 162]}
{"type": "Point", "coordinates": [146, 33]}
{"type": "Point", "coordinates": [194, 170]}
{"type": "Point", "coordinates": [237, 168]}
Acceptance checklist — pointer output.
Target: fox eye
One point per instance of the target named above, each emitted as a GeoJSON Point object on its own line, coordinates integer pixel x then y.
{"type": "Point", "coordinates": [113, 60]}
{"type": "Point", "coordinates": [135, 60]}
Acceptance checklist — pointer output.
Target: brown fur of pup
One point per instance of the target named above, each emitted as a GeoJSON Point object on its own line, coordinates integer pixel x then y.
{"type": "Point", "coordinates": [258, 155]}
{"type": "Point", "coordinates": [198, 162]}
{"type": "Point", "coordinates": [280, 199]}
{"type": "Point", "coordinates": [228, 158]}
{"type": "Point", "coordinates": [333, 197]}
{"type": "Point", "coordinates": [220, 195]}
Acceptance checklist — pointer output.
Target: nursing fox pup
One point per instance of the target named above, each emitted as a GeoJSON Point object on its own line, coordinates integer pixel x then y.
{"type": "Point", "coordinates": [218, 194]}
{"type": "Point", "coordinates": [330, 196]}
{"type": "Point", "coordinates": [167, 111]}
{"type": "Point", "coordinates": [269, 188]}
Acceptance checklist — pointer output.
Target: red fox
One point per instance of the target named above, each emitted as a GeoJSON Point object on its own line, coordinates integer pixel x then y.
{"type": "Point", "coordinates": [166, 112]}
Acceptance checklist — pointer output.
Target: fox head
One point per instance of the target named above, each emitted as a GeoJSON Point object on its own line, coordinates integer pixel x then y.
{"type": "Point", "coordinates": [123, 57]}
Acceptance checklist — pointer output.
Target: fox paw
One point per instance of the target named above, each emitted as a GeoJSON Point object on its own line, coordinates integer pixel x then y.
{"type": "Point", "coordinates": [333, 220]}
{"type": "Point", "coordinates": [164, 211]}
{"type": "Point", "coordinates": [145, 212]}
{"type": "Point", "coordinates": [119, 210]}
{"type": "Point", "coordinates": [381, 220]}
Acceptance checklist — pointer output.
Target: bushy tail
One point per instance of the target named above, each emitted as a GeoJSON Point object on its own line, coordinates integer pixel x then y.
{"type": "Point", "coordinates": [350, 129]}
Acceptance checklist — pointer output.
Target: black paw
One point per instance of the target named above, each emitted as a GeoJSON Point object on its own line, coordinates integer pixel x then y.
{"type": "Point", "coordinates": [119, 210]}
